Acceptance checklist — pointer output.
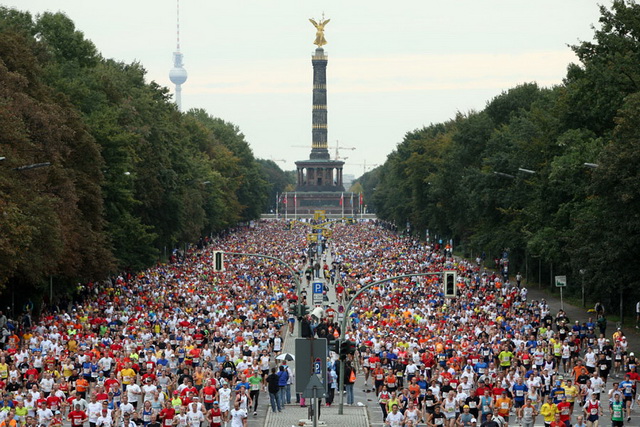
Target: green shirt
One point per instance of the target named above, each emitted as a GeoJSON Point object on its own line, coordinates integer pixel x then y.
{"type": "Point", "coordinates": [255, 382]}
{"type": "Point", "coordinates": [505, 358]}
{"type": "Point", "coordinates": [617, 411]}
{"type": "Point", "coordinates": [176, 403]}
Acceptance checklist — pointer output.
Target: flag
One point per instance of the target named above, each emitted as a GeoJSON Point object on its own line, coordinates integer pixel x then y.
{"type": "Point", "coordinates": [285, 199]}
{"type": "Point", "coordinates": [341, 198]}
{"type": "Point", "coordinates": [351, 199]}
{"type": "Point", "coordinates": [295, 199]}
{"type": "Point", "coordinates": [361, 200]}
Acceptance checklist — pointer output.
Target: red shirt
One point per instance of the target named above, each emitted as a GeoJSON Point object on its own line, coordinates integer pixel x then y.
{"type": "Point", "coordinates": [564, 408]}
{"type": "Point", "coordinates": [634, 376]}
{"type": "Point", "coordinates": [77, 417]}
{"type": "Point", "coordinates": [149, 375]}
{"type": "Point", "coordinates": [216, 417]}
{"type": "Point", "coordinates": [167, 416]}
{"type": "Point", "coordinates": [109, 382]}
{"type": "Point", "coordinates": [53, 402]}
{"type": "Point", "coordinates": [193, 390]}
{"type": "Point", "coordinates": [209, 394]}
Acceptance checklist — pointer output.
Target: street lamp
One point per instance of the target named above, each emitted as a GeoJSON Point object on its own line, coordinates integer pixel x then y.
{"type": "Point", "coordinates": [504, 175]}
{"type": "Point", "coordinates": [32, 166]}
{"type": "Point", "coordinates": [591, 165]}
{"type": "Point", "coordinates": [582, 272]}
{"type": "Point", "coordinates": [529, 171]}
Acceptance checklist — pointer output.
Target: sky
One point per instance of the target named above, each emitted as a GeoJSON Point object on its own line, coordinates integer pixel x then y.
{"type": "Point", "coordinates": [394, 67]}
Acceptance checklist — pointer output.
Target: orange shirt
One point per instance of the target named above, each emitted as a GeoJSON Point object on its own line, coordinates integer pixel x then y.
{"type": "Point", "coordinates": [378, 374]}
{"type": "Point", "coordinates": [82, 385]}
{"type": "Point", "coordinates": [391, 380]}
{"type": "Point", "coordinates": [414, 389]}
{"type": "Point", "coordinates": [503, 404]}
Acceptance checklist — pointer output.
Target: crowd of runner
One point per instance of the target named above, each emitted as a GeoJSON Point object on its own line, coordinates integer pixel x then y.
{"type": "Point", "coordinates": [182, 345]}
{"type": "Point", "coordinates": [488, 357]}
{"type": "Point", "coordinates": [175, 345]}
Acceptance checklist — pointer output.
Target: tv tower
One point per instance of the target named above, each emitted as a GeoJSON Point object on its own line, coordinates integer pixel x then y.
{"type": "Point", "coordinates": [178, 75]}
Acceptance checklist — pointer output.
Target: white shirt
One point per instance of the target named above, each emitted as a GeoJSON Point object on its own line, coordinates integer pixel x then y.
{"type": "Point", "coordinates": [395, 419]}
{"type": "Point", "coordinates": [93, 410]}
{"type": "Point", "coordinates": [132, 392]}
{"type": "Point", "coordinates": [46, 384]}
{"type": "Point", "coordinates": [237, 416]}
{"type": "Point", "coordinates": [225, 395]}
{"type": "Point", "coordinates": [126, 408]}
{"type": "Point", "coordinates": [148, 390]}
{"type": "Point", "coordinates": [104, 421]}
{"type": "Point", "coordinates": [597, 384]}
{"type": "Point", "coordinates": [44, 416]}
{"type": "Point", "coordinates": [195, 418]}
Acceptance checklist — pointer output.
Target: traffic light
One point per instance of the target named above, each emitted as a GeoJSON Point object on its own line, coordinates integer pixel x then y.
{"type": "Point", "coordinates": [334, 345]}
{"type": "Point", "coordinates": [293, 309]}
{"type": "Point", "coordinates": [450, 288]}
{"type": "Point", "coordinates": [352, 347]}
{"type": "Point", "coordinates": [304, 310]}
{"type": "Point", "coordinates": [218, 261]}
{"type": "Point", "coordinates": [344, 349]}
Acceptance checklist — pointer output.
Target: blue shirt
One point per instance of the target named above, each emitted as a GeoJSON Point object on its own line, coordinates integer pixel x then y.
{"type": "Point", "coordinates": [283, 377]}
{"type": "Point", "coordinates": [519, 392]}
{"type": "Point", "coordinates": [626, 387]}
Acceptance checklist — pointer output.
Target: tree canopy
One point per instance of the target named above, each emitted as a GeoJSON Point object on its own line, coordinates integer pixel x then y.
{"type": "Point", "coordinates": [128, 176]}
{"type": "Point", "coordinates": [513, 176]}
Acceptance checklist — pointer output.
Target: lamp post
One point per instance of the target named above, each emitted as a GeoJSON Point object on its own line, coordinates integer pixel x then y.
{"type": "Point", "coordinates": [582, 272]}
{"type": "Point", "coordinates": [529, 171]}
{"type": "Point", "coordinates": [504, 175]}
{"type": "Point", "coordinates": [32, 166]}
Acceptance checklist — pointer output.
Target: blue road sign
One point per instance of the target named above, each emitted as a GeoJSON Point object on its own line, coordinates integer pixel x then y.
{"type": "Point", "coordinates": [317, 287]}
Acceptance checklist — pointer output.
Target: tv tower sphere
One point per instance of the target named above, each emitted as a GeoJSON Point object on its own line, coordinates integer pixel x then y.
{"type": "Point", "coordinates": [178, 75]}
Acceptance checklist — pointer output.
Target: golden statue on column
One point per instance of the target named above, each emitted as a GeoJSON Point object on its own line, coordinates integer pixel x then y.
{"type": "Point", "coordinates": [320, 40]}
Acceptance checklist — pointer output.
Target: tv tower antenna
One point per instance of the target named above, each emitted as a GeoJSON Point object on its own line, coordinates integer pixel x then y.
{"type": "Point", "coordinates": [178, 75]}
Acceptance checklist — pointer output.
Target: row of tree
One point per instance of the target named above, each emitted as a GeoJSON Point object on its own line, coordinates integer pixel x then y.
{"type": "Point", "coordinates": [124, 176]}
{"type": "Point", "coordinates": [546, 173]}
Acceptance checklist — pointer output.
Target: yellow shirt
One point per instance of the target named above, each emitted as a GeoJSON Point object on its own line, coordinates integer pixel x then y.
{"type": "Point", "coordinates": [571, 393]}
{"type": "Point", "coordinates": [4, 371]}
{"type": "Point", "coordinates": [548, 411]}
{"type": "Point", "coordinates": [128, 375]}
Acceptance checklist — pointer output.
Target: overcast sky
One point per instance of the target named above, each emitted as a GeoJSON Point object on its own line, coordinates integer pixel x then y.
{"type": "Point", "coordinates": [394, 66]}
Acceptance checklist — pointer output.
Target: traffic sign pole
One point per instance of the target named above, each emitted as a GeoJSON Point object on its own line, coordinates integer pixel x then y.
{"type": "Point", "coordinates": [561, 282]}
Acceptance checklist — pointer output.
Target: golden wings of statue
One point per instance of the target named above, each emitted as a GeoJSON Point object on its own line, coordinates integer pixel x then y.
{"type": "Point", "coordinates": [320, 40]}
